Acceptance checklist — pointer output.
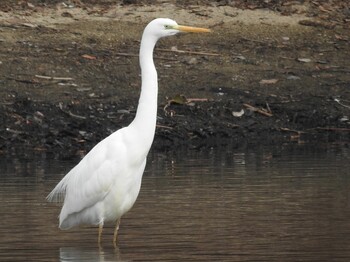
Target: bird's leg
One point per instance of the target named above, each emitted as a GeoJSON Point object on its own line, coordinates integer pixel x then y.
{"type": "Point", "coordinates": [100, 229]}
{"type": "Point", "coordinates": [116, 232]}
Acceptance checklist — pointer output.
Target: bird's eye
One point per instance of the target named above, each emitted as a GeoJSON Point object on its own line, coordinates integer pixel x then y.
{"type": "Point", "coordinates": [167, 27]}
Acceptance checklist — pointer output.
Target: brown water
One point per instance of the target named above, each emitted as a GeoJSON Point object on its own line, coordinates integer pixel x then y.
{"type": "Point", "coordinates": [265, 205]}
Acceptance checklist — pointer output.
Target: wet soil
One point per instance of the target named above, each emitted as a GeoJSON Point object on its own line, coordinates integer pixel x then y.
{"type": "Point", "coordinates": [269, 73]}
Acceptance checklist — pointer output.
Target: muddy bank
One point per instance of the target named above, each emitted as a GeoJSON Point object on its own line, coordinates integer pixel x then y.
{"type": "Point", "coordinates": [71, 128]}
{"type": "Point", "coordinates": [70, 77]}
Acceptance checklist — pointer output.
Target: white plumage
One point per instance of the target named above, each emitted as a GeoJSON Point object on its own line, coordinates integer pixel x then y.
{"type": "Point", "coordinates": [106, 182]}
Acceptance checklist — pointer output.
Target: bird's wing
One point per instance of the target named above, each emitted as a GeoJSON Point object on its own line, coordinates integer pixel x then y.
{"type": "Point", "coordinates": [89, 181]}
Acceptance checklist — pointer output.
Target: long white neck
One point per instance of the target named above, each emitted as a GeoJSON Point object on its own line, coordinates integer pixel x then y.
{"type": "Point", "coordinates": [144, 123]}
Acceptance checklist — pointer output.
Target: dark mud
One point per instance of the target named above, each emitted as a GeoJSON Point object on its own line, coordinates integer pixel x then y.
{"type": "Point", "coordinates": [65, 86]}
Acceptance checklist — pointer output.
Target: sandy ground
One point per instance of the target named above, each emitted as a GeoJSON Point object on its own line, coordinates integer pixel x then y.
{"type": "Point", "coordinates": [70, 76]}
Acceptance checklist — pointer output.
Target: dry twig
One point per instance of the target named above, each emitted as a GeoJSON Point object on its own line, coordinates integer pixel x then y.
{"type": "Point", "coordinates": [260, 111]}
{"type": "Point", "coordinates": [187, 52]}
{"type": "Point", "coordinates": [54, 78]}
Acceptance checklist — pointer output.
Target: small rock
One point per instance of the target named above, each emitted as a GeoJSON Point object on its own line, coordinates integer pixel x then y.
{"type": "Point", "coordinates": [293, 77]}
{"type": "Point", "coordinates": [67, 14]}
{"type": "Point", "coordinates": [238, 114]}
{"type": "Point", "coordinates": [123, 111]}
{"type": "Point", "coordinates": [304, 60]}
{"type": "Point", "coordinates": [30, 5]}
{"type": "Point", "coordinates": [239, 57]}
{"type": "Point", "coordinates": [268, 81]}
{"type": "Point", "coordinates": [193, 61]}
{"type": "Point", "coordinates": [344, 119]}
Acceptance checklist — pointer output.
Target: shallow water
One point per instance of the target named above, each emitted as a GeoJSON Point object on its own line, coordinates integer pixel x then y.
{"type": "Point", "coordinates": [285, 204]}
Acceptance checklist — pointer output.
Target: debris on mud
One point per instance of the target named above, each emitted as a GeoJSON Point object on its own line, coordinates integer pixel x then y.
{"type": "Point", "coordinates": [71, 128]}
{"type": "Point", "coordinates": [70, 78]}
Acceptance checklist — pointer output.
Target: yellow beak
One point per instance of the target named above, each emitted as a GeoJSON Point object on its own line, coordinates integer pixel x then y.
{"type": "Point", "coordinates": [192, 29]}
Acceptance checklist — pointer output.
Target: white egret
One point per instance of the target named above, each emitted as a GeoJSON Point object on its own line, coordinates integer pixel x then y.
{"type": "Point", "coordinates": [104, 185]}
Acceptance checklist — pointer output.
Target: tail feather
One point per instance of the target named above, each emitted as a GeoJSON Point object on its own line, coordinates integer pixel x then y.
{"type": "Point", "coordinates": [59, 192]}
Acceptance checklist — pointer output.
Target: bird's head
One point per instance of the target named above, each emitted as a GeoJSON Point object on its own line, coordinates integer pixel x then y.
{"type": "Point", "coordinates": [162, 27]}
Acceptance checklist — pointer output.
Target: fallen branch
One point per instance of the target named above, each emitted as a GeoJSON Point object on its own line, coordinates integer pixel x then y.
{"type": "Point", "coordinates": [254, 40]}
{"type": "Point", "coordinates": [340, 103]}
{"type": "Point", "coordinates": [54, 78]}
{"type": "Point", "coordinates": [22, 80]}
{"type": "Point", "coordinates": [165, 127]}
{"type": "Point", "coordinates": [260, 111]}
{"type": "Point", "coordinates": [189, 100]}
{"type": "Point", "coordinates": [127, 54]}
{"type": "Point", "coordinates": [285, 129]}
{"type": "Point", "coordinates": [13, 131]}
{"type": "Point", "coordinates": [60, 106]}
{"type": "Point", "coordinates": [135, 55]}
{"type": "Point", "coordinates": [187, 52]}
{"type": "Point", "coordinates": [317, 24]}
{"type": "Point", "coordinates": [335, 129]}
{"type": "Point", "coordinates": [75, 116]}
